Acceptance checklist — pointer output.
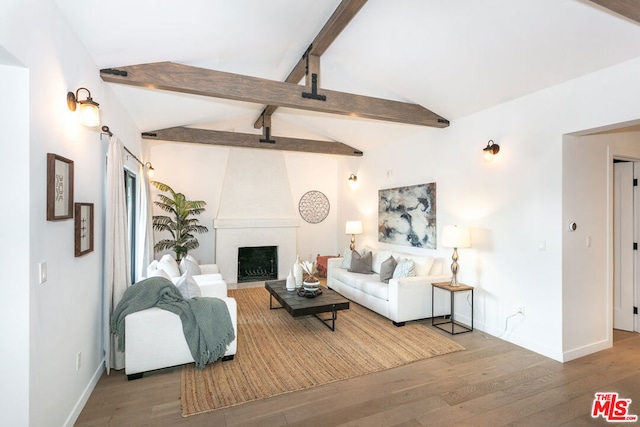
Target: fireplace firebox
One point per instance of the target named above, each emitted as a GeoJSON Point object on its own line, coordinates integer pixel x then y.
{"type": "Point", "coordinates": [257, 263]}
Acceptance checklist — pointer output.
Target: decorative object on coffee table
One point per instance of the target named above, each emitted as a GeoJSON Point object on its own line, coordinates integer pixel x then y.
{"type": "Point", "coordinates": [311, 282]}
{"type": "Point", "coordinates": [297, 272]}
{"type": "Point", "coordinates": [291, 282]}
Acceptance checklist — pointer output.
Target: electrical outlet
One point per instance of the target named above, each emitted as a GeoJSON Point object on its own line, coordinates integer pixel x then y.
{"type": "Point", "coordinates": [78, 360]}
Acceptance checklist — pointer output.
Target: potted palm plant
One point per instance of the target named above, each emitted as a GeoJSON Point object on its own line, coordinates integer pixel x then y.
{"type": "Point", "coordinates": [180, 222]}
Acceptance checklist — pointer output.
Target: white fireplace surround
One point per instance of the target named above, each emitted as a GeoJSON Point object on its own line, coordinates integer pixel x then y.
{"type": "Point", "coordinates": [256, 209]}
{"type": "Point", "coordinates": [232, 234]}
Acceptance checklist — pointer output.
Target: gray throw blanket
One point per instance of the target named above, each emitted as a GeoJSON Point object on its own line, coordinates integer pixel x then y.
{"type": "Point", "coordinates": [205, 321]}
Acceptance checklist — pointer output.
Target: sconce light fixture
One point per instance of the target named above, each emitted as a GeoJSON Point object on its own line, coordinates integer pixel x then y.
{"type": "Point", "coordinates": [151, 172]}
{"type": "Point", "coordinates": [353, 181]}
{"type": "Point", "coordinates": [490, 150]}
{"type": "Point", "coordinates": [89, 109]}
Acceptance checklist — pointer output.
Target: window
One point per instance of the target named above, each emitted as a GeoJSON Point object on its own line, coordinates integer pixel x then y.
{"type": "Point", "coordinates": [130, 189]}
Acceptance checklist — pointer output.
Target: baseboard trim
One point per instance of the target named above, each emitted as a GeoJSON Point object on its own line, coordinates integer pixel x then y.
{"type": "Point", "coordinates": [84, 397]}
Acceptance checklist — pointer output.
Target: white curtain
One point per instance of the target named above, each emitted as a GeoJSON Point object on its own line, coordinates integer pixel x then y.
{"type": "Point", "coordinates": [117, 265]}
{"type": "Point", "coordinates": [144, 250]}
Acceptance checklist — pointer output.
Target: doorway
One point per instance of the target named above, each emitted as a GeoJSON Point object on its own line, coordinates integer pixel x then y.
{"type": "Point", "coordinates": [626, 222]}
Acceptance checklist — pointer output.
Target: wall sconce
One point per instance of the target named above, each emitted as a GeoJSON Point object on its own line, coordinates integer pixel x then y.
{"type": "Point", "coordinates": [353, 228]}
{"type": "Point", "coordinates": [89, 109]}
{"type": "Point", "coordinates": [353, 181]}
{"type": "Point", "coordinates": [490, 150]}
{"type": "Point", "coordinates": [151, 172]}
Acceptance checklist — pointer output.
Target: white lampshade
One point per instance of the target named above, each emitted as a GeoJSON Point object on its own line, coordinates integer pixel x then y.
{"type": "Point", "coordinates": [455, 237]}
{"type": "Point", "coordinates": [89, 114]}
{"type": "Point", "coordinates": [353, 227]}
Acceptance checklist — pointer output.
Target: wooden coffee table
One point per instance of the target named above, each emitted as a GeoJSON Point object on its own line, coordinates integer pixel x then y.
{"type": "Point", "coordinates": [327, 302]}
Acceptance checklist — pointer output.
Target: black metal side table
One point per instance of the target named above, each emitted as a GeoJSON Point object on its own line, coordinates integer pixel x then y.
{"type": "Point", "coordinates": [456, 326]}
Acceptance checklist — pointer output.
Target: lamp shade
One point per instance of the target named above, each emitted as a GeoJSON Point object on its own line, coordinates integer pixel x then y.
{"type": "Point", "coordinates": [455, 237]}
{"type": "Point", "coordinates": [89, 114]}
{"type": "Point", "coordinates": [353, 227]}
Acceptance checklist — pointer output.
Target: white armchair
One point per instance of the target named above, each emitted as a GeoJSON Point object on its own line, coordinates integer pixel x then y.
{"type": "Point", "coordinates": [154, 338]}
{"type": "Point", "coordinates": [168, 268]}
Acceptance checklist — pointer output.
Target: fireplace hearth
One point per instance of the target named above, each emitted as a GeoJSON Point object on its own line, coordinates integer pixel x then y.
{"type": "Point", "coordinates": [257, 263]}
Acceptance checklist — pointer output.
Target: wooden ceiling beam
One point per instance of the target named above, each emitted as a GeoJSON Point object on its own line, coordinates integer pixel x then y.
{"type": "Point", "coordinates": [245, 140]}
{"type": "Point", "coordinates": [627, 8]}
{"type": "Point", "coordinates": [338, 21]}
{"type": "Point", "coordinates": [218, 84]}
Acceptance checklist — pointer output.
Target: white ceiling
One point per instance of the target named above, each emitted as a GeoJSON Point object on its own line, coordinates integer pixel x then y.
{"type": "Point", "coordinates": [453, 57]}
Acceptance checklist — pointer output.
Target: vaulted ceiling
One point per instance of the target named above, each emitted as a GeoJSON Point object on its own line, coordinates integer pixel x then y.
{"type": "Point", "coordinates": [453, 58]}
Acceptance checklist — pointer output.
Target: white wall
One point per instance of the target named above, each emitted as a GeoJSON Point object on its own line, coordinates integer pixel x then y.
{"type": "Point", "coordinates": [14, 233]}
{"type": "Point", "coordinates": [64, 314]}
{"type": "Point", "coordinates": [588, 271]}
{"type": "Point", "coordinates": [513, 205]}
{"type": "Point", "coordinates": [198, 170]}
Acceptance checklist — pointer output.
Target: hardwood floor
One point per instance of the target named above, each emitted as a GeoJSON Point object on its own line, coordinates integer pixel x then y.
{"type": "Point", "coordinates": [492, 383]}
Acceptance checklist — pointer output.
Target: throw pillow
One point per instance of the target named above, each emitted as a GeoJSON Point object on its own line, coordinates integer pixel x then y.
{"type": "Point", "coordinates": [387, 268]}
{"type": "Point", "coordinates": [188, 286]}
{"type": "Point", "coordinates": [169, 265]}
{"type": "Point", "coordinates": [361, 263]}
{"type": "Point", "coordinates": [192, 267]}
{"type": "Point", "coordinates": [346, 260]}
{"type": "Point", "coordinates": [159, 273]}
{"type": "Point", "coordinates": [405, 268]}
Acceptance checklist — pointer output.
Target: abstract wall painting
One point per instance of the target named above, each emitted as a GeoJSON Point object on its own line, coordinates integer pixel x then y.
{"type": "Point", "coordinates": [407, 216]}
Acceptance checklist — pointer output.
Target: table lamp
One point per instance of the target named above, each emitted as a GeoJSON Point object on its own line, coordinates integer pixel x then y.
{"type": "Point", "coordinates": [455, 237]}
{"type": "Point", "coordinates": [353, 228]}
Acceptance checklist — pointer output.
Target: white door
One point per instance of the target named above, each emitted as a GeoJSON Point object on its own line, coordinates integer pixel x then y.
{"type": "Point", "coordinates": [623, 253]}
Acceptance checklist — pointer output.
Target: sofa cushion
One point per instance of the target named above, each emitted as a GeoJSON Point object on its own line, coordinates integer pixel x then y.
{"type": "Point", "coordinates": [378, 258]}
{"type": "Point", "coordinates": [346, 260]}
{"type": "Point", "coordinates": [371, 285]}
{"type": "Point", "coordinates": [191, 266]}
{"type": "Point", "coordinates": [188, 286]}
{"type": "Point", "coordinates": [405, 268]}
{"type": "Point", "coordinates": [169, 265]}
{"type": "Point", "coordinates": [159, 273]}
{"type": "Point", "coordinates": [361, 263]}
{"type": "Point", "coordinates": [387, 268]}
{"type": "Point", "coordinates": [422, 263]}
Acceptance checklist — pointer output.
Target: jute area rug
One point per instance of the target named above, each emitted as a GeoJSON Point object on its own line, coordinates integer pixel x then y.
{"type": "Point", "coordinates": [279, 354]}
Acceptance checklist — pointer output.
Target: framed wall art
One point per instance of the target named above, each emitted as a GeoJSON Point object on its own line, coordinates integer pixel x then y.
{"type": "Point", "coordinates": [407, 216]}
{"type": "Point", "coordinates": [59, 187]}
{"type": "Point", "coordinates": [314, 207]}
{"type": "Point", "coordinates": [83, 228]}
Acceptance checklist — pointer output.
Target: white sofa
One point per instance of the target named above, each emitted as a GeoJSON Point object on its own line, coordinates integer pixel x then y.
{"type": "Point", "coordinates": [154, 338]}
{"type": "Point", "coordinates": [402, 299]}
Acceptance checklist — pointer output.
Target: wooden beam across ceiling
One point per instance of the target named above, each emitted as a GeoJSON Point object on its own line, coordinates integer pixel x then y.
{"type": "Point", "coordinates": [234, 139]}
{"type": "Point", "coordinates": [338, 21]}
{"type": "Point", "coordinates": [627, 8]}
{"type": "Point", "coordinates": [218, 84]}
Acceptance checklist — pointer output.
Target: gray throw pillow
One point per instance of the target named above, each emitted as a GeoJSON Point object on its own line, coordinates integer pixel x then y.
{"type": "Point", "coordinates": [361, 263]}
{"type": "Point", "coordinates": [387, 268]}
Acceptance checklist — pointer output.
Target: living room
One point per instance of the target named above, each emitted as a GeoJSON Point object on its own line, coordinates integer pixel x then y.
{"type": "Point", "coordinates": [554, 167]}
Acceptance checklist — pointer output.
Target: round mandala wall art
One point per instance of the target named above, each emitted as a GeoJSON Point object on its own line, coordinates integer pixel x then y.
{"type": "Point", "coordinates": [313, 207]}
